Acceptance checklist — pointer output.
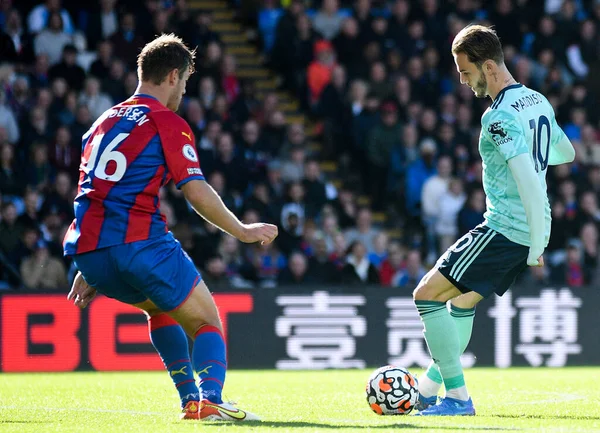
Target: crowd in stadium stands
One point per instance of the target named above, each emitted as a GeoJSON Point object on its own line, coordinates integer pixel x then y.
{"type": "Point", "coordinates": [378, 80]}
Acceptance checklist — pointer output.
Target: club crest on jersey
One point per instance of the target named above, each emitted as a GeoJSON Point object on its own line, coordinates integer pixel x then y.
{"type": "Point", "coordinates": [189, 152]}
{"type": "Point", "coordinates": [499, 134]}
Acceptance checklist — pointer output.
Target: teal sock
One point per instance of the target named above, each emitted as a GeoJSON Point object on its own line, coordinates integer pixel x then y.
{"type": "Point", "coordinates": [463, 318]}
{"type": "Point", "coordinates": [441, 335]}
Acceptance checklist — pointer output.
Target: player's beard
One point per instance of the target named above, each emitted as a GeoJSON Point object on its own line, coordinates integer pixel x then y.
{"type": "Point", "coordinates": [480, 88]}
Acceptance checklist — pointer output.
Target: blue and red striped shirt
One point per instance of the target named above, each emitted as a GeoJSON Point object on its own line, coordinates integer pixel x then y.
{"type": "Point", "coordinates": [128, 154]}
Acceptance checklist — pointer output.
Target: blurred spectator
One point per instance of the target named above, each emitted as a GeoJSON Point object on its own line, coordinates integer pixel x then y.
{"type": "Point", "coordinates": [292, 170]}
{"type": "Point", "coordinates": [433, 189]}
{"type": "Point", "coordinates": [588, 149]}
{"type": "Point", "coordinates": [96, 101]}
{"type": "Point", "coordinates": [323, 271]}
{"type": "Point", "coordinates": [22, 40]}
{"type": "Point", "coordinates": [113, 83]}
{"type": "Point", "coordinates": [364, 232]}
{"type": "Point", "coordinates": [68, 69]}
{"type": "Point", "coordinates": [41, 17]}
{"type": "Point", "coordinates": [230, 252]}
{"type": "Point", "coordinates": [42, 271]}
{"type": "Point", "coordinates": [215, 274]}
{"type": "Point", "coordinates": [409, 277]}
{"type": "Point", "coordinates": [7, 121]}
{"type": "Point", "coordinates": [102, 23]}
{"type": "Point", "coordinates": [230, 164]}
{"type": "Point", "coordinates": [29, 238]}
{"type": "Point", "coordinates": [417, 174]}
{"type": "Point", "coordinates": [450, 205]}
{"type": "Point", "coordinates": [358, 269]}
{"type": "Point", "coordinates": [267, 262]}
{"type": "Point", "coordinates": [63, 154]}
{"type": "Point", "coordinates": [268, 17]}
{"type": "Point", "coordinates": [9, 230]}
{"type": "Point", "coordinates": [380, 142]}
{"type": "Point", "coordinates": [39, 74]}
{"type": "Point", "coordinates": [392, 265]}
{"type": "Point", "coordinates": [276, 183]}
{"type": "Point", "coordinates": [589, 239]}
{"type": "Point", "coordinates": [471, 213]}
{"type": "Point", "coordinates": [11, 184]}
{"type": "Point", "coordinates": [273, 132]}
{"type": "Point", "coordinates": [380, 250]}
{"type": "Point", "coordinates": [314, 187]}
{"type": "Point", "coordinates": [572, 271]}
{"type": "Point", "coordinates": [319, 71]}
{"type": "Point", "coordinates": [295, 138]}
{"type": "Point", "coordinates": [29, 219]}
{"type": "Point", "coordinates": [346, 44]}
{"type": "Point", "coordinates": [328, 19]}
{"type": "Point", "coordinates": [229, 80]}
{"type": "Point", "coordinates": [211, 63]}
{"type": "Point", "coordinates": [296, 272]}
{"type": "Point", "coordinates": [293, 216]}
{"type": "Point", "coordinates": [245, 105]}
{"type": "Point", "coordinates": [196, 30]}
{"type": "Point", "coordinates": [333, 107]}
{"type": "Point", "coordinates": [127, 41]}
{"type": "Point", "coordinates": [59, 200]}
{"type": "Point", "coordinates": [52, 40]}
{"type": "Point", "coordinates": [39, 171]}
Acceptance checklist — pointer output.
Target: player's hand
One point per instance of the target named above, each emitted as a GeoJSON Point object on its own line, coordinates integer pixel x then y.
{"type": "Point", "coordinates": [81, 293]}
{"type": "Point", "coordinates": [532, 261]}
{"type": "Point", "coordinates": [259, 232]}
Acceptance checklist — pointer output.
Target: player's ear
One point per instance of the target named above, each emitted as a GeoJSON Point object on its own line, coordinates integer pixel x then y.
{"type": "Point", "coordinates": [488, 66]}
{"type": "Point", "coordinates": [173, 77]}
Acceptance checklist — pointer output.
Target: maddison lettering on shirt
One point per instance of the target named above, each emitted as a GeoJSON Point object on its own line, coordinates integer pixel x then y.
{"type": "Point", "coordinates": [526, 102]}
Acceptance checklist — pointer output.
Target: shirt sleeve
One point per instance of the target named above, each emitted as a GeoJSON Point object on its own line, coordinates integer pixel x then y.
{"type": "Point", "coordinates": [502, 129]}
{"type": "Point", "coordinates": [179, 147]}
{"type": "Point", "coordinates": [561, 149]}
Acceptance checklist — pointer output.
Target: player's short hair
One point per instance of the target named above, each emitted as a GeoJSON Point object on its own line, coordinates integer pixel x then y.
{"type": "Point", "coordinates": [161, 56]}
{"type": "Point", "coordinates": [479, 43]}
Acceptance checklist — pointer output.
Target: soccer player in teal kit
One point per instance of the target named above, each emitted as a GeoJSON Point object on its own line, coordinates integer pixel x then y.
{"type": "Point", "coordinates": [120, 242]}
{"type": "Point", "coordinates": [519, 139]}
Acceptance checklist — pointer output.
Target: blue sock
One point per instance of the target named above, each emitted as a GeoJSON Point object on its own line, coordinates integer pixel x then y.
{"type": "Point", "coordinates": [210, 362]}
{"type": "Point", "coordinates": [171, 343]}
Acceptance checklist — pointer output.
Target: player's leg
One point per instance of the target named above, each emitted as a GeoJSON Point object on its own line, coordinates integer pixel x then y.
{"type": "Point", "coordinates": [171, 343]}
{"type": "Point", "coordinates": [199, 317]}
{"type": "Point", "coordinates": [441, 332]}
{"type": "Point", "coordinates": [167, 276]}
{"type": "Point", "coordinates": [462, 311]}
{"type": "Point", "coordinates": [101, 270]}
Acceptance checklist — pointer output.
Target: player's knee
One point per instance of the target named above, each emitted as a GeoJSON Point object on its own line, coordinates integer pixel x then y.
{"type": "Point", "coordinates": [428, 291]}
{"type": "Point", "coordinates": [217, 324]}
{"type": "Point", "coordinates": [422, 292]}
{"type": "Point", "coordinates": [467, 300]}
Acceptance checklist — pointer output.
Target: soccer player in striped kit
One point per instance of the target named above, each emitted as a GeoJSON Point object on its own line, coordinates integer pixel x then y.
{"type": "Point", "coordinates": [119, 240]}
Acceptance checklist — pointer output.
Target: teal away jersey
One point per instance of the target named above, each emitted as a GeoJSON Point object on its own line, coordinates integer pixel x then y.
{"type": "Point", "coordinates": [520, 120]}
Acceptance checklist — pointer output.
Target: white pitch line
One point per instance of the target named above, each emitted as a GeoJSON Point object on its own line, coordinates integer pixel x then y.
{"type": "Point", "coordinates": [87, 409]}
{"type": "Point", "coordinates": [559, 398]}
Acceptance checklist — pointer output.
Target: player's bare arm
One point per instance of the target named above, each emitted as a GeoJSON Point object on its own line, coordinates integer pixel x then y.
{"type": "Point", "coordinates": [532, 197]}
{"type": "Point", "coordinates": [209, 205]}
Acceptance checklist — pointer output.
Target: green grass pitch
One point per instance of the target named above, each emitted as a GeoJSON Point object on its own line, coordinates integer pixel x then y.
{"type": "Point", "coordinates": [527, 399]}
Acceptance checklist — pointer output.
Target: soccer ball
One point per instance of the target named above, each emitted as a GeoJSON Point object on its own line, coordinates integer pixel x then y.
{"type": "Point", "coordinates": [392, 391]}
